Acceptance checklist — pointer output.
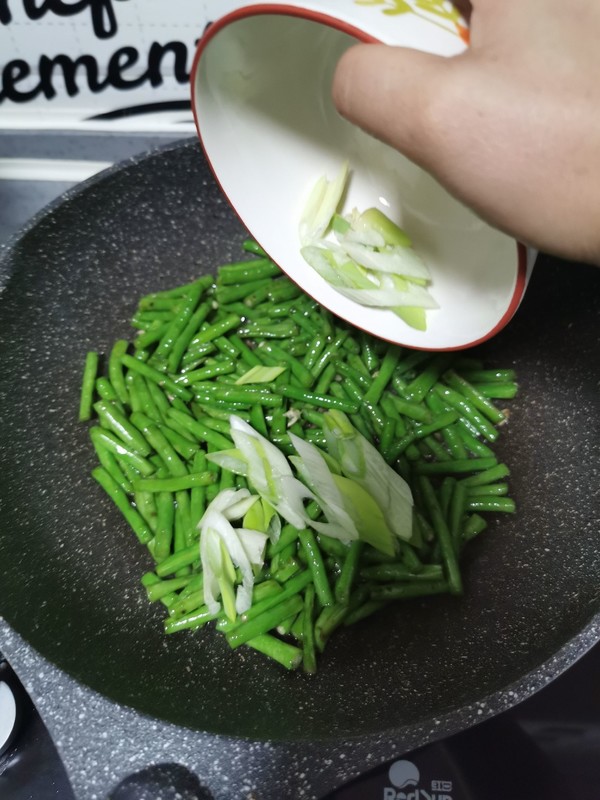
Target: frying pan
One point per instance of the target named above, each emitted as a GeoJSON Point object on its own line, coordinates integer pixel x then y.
{"type": "Point", "coordinates": [70, 568]}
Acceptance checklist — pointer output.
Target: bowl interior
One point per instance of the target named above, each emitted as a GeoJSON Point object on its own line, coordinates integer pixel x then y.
{"type": "Point", "coordinates": [268, 125]}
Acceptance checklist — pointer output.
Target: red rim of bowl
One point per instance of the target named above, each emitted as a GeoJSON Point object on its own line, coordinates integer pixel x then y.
{"type": "Point", "coordinates": [345, 27]}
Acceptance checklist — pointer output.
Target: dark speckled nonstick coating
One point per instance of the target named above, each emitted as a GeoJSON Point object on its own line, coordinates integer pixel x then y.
{"type": "Point", "coordinates": [70, 568]}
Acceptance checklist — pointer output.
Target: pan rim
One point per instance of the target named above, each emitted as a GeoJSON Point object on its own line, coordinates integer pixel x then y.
{"type": "Point", "coordinates": [451, 722]}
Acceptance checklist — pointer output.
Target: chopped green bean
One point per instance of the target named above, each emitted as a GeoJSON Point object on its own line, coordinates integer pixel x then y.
{"type": "Point", "coordinates": [120, 499]}
{"type": "Point", "coordinates": [150, 335]}
{"type": "Point", "coordinates": [161, 444]}
{"type": "Point", "coordinates": [185, 336]}
{"type": "Point", "coordinates": [328, 620]}
{"type": "Point", "coordinates": [314, 559]}
{"type": "Point", "coordinates": [472, 444]}
{"type": "Point", "coordinates": [168, 404]}
{"type": "Point", "coordinates": [384, 376]}
{"type": "Point", "coordinates": [321, 401]}
{"type": "Point", "coordinates": [197, 619]}
{"type": "Point", "coordinates": [177, 560]}
{"type": "Point", "coordinates": [174, 484]}
{"type": "Point", "coordinates": [474, 526]}
{"type": "Point", "coordinates": [177, 327]}
{"type": "Point", "coordinates": [202, 432]}
{"type": "Point", "coordinates": [146, 505]}
{"type": "Point", "coordinates": [456, 467]}
{"type": "Point", "coordinates": [443, 536]}
{"type": "Point", "coordinates": [298, 369]}
{"type": "Point", "coordinates": [288, 535]}
{"type": "Point", "coordinates": [384, 573]}
{"type": "Point", "coordinates": [250, 246]}
{"type": "Point", "coordinates": [247, 271]}
{"type": "Point", "coordinates": [498, 391]}
{"type": "Point", "coordinates": [88, 382]}
{"type": "Point", "coordinates": [474, 396]}
{"type": "Point", "coordinates": [264, 622]}
{"type": "Point", "coordinates": [344, 369]}
{"type": "Point", "coordinates": [115, 370]}
{"type": "Point", "coordinates": [403, 591]}
{"type": "Point", "coordinates": [487, 375]}
{"type": "Point", "coordinates": [503, 504]}
{"type": "Point", "coordinates": [212, 332]}
{"type": "Point", "coordinates": [165, 519]}
{"type": "Point", "coordinates": [488, 490]}
{"type": "Point", "coordinates": [245, 395]}
{"type": "Point", "coordinates": [333, 547]}
{"type": "Point", "coordinates": [198, 493]}
{"type": "Point", "coordinates": [284, 653]}
{"type": "Point", "coordinates": [368, 353]}
{"type": "Point", "coordinates": [458, 506]}
{"type": "Point", "coordinates": [105, 390]}
{"type": "Point", "coordinates": [282, 290]}
{"type": "Point", "coordinates": [291, 588]}
{"type": "Point", "coordinates": [143, 318]}
{"type": "Point", "coordinates": [238, 291]}
{"type": "Point", "coordinates": [418, 388]}
{"type": "Point", "coordinates": [329, 353]}
{"type": "Point", "coordinates": [207, 372]}
{"type": "Point", "coordinates": [445, 494]}
{"type": "Point", "coordinates": [156, 376]}
{"type": "Point", "coordinates": [116, 421]}
{"type": "Point", "coordinates": [181, 444]}
{"type": "Point", "coordinates": [345, 582]}
{"type": "Point", "coordinates": [458, 402]}
{"type": "Point", "coordinates": [308, 631]}
{"type": "Point", "coordinates": [490, 474]}
{"type": "Point", "coordinates": [411, 410]}
{"type": "Point", "coordinates": [111, 465]}
{"type": "Point", "coordinates": [118, 448]}
{"type": "Point", "coordinates": [149, 579]}
{"type": "Point", "coordinates": [325, 380]}
{"type": "Point", "coordinates": [156, 591]}
{"type": "Point", "coordinates": [454, 442]}
{"type": "Point", "coordinates": [315, 349]}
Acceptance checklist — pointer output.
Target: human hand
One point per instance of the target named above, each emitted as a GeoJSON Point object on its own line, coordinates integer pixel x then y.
{"type": "Point", "coordinates": [511, 127]}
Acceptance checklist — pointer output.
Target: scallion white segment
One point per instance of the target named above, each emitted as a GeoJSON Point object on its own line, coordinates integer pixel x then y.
{"type": "Point", "coordinates": [224, 548]}
{"type": "Point", "coordinates": [365, 465]}
{"type": "Point", "coordinates": [315, 471]}
{"type": "Point", "coordinates": [414, 296]}
{"type": "Point", "coordinates": [322, 205]}
{"type": "Point", "coordinates": [360, 496]}
{"type": "Point", "coordinates": [368, 249]}
{"type": "Point", "coordinates": [401, 261]}
{"type": "Point", "coordinates": [269, 472]}
{"type": "Point", "coordinates": [351, 510]}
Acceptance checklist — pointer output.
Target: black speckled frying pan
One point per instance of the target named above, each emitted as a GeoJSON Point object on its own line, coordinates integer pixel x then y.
{"type": "Point", "coordinates": [70, 569]}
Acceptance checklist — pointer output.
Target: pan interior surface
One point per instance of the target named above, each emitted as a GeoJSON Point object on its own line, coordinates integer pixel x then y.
{"type": "Point", "coordinates": [71, 568]}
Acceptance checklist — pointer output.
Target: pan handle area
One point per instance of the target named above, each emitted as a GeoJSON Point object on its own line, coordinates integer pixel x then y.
{"type": "Point", "coordinates": [108, 749]}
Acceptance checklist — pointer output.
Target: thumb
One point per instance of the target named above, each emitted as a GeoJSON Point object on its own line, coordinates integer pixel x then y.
{"type": "Point", "coordinates": [392, 93]}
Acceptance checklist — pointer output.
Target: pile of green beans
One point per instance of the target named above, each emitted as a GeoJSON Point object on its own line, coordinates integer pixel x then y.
{"type": "Point", "coordinates": [165, 400]}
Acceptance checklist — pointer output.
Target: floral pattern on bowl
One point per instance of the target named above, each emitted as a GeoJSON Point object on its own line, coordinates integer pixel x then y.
{"type": "Point", "coordinates": [438, 12]}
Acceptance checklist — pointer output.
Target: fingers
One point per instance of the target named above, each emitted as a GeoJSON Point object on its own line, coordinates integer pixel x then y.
{"type": "Point", "coordinates": [393, 93]}
{"type": "Point", "coordinates": [445, 114]}
{"type": "Point", "coordinates": [510, 127]}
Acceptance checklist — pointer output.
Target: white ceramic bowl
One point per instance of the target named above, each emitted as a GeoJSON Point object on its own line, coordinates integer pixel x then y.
{"type": "Point", "coordinates": [261, 86]}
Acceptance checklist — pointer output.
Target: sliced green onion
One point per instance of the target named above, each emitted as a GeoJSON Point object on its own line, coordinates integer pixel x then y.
{"type": "Point", "coordinates": [260, 375]}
